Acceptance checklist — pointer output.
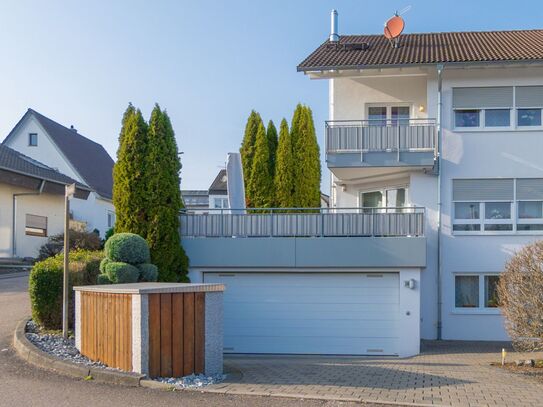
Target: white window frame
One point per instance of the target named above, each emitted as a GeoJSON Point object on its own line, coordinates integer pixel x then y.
{"type": "Point", "coordinates": [223, 201]}
{"type": "Point", "coordinates": [528, 221]}
{"type": "Point", "coordinates": [111, 215]}
{"type": "Point", "coordinates": [482, 119]}
{"type": "Point", "coordinates": [481, 309]}
{"type": "Point", "coordinates": [519, 127]}
{"type": "Point", "coordinates": [383, 191]}
{"type": "Point", "coordinates": [388, 107]}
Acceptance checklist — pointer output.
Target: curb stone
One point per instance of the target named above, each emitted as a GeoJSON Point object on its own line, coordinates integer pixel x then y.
{"type": "Point", "coordinates": [27, 351]}
{"type": "Point", "coordinates": [35, 356]}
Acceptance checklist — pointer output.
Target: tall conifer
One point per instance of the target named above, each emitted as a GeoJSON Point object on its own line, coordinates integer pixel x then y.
{"type": "Point", "coordinates": [261, 182]}
{"type": "Point", "coordinates": [247, 151]}
{"type": "Point", "coordinates": [284, 169]}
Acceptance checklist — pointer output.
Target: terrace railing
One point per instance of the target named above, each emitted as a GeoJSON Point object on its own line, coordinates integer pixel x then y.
{"type": "Point", "coordinates": [357, 136]}
{"type": "Point", "coordinates": [296, 222]}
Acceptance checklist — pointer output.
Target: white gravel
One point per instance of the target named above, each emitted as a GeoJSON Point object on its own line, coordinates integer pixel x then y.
{"type": "Point", "coordinates": [192, 381]}
{"type": "Point", "coordinates": [57, 346]}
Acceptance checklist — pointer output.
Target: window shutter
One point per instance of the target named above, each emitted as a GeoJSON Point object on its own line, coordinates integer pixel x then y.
{"type": "Point", "coordinates": [482, 189]}
{"type": "Point", "coordinates": [529, 188]}
{"type": "Point", "coordinates": [36, 222]}
{"type": "Point", "coordinates": [477, 98]}
{"type": "Point", "coordinates": [529, 96]}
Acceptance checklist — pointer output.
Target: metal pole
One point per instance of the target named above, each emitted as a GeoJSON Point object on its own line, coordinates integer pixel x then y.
{"type": "Point", "coordinates": [65, 293]}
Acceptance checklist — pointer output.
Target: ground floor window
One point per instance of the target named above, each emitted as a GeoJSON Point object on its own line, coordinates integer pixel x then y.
{"type": "Point", "coordinates": [476, 291]}
{"type": "Point", "coordinates": [36, 225]}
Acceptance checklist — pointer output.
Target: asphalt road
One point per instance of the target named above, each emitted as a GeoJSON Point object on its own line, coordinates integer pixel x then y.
{"type": "Point", "coordinates": [24, 385]}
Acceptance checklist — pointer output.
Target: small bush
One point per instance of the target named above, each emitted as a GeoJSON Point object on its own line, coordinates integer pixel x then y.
{"type": "Point", "coordinates": [79, 240]}
{"type": "Point", "coordinates": [103, 279]}
{"type": "Point", "coordinates": [110, 232]}
{"type": "Point", "coordinates": [128, 248]}
{"type": "Point", "coordinates": [121, 273]}
{"type": "Point", "coordinates": [45, 285]}
{"type": "Point", "coordinates": [148, 272]}
{"type": "Point", "coordinates": [103, 264]}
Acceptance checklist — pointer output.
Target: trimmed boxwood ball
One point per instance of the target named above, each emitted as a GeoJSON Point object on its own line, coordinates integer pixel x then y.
{"type": "Point", "coordinates": [128, 248]}
{"type": "Point", "coordinates": [103, 279]}
{"type": "Point", "coordinates": [103, 265]}
{"type": "Point", "coordinates": [120, 273]}
{"type": "Point", "coordinates": [148, 272]}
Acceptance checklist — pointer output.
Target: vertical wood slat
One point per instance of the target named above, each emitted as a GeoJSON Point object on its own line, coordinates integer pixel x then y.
{"type": "Point", "coordinates": [154, 335]}
{"type": "Point", "coordinates": [188, 333]}
{"type": "Point", "coordinates": [166, 335]}
{"type": "Point", "coordinates": [177, 334]}
{"type": "Point", "coordinates": [106, 328]}
{"type": "Point", "coordinates": [199, 332]}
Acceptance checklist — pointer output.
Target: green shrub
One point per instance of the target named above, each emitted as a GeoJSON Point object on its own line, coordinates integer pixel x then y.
{"type": "Point", "coordinates": [79, 240]}
{"type": "Point", "coordinates": [121, 273]}
{"type": "Point", "coordinates": [148, 272]}
{"type": "Point", "coordinates": [103, 279]}
{"type": "Point", "coordinates": [127, 248]}
{"type": "Point", "coordinates": [45, 285]}
{"type": "Point", "coordinates": [110, 232]}
{"type": "Point", "coordinates": [105, 261]}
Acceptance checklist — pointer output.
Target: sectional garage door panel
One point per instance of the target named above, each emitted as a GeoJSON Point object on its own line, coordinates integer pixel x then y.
{"type": "Point", "coordinates": [310, 313]}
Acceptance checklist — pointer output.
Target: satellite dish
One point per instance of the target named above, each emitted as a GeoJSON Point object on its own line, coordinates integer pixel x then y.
{"type": "Point", "coordinates": [394, 27]}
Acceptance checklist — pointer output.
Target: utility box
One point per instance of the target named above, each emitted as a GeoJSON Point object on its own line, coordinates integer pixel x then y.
{"type": "Point", "coordinates": [157, 329]}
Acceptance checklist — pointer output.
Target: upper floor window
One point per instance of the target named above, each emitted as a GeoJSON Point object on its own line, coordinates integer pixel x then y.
{"type": "Point", "coordinates": [498, 205]}
{"type": "Point", "coordinates": [389, 115]}
{"type": "Point", "coordinates": [33, 139]}
{"type": "Point", "coordinates": [385, 198]}
{"type": "Point", "coordinates": [498, 107]}
{"type": "Point", "coordinates": [220, 203]}
{"type": "Point", "coordinates": [110, 219]}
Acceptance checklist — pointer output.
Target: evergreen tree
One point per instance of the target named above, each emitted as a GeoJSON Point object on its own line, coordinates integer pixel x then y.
{"type": "Point", "coordinates": [284, 169]}
{"type": "Point", "coordinates": [271, 134]}
{"type": "Point", "coordinates": [306, 153]}
{"type": "Point", "coordinates": [260, 186]}
{"type": "Point", "coordinates": [130, 196]}
{"type": "Point", "coordinates": [164, 199]}
{"type": "Point", "coordinates": [247, 151]}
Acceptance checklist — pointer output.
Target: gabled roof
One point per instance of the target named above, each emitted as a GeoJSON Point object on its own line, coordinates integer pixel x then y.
{"type": "Point", "coordinates": [219, 186]}
{"type": "Point", "coordinates": [89, 159]}
{"type": "Point", "coordinates": [427, 48]}
{"type": "Point", "coordinates": [14, 161]}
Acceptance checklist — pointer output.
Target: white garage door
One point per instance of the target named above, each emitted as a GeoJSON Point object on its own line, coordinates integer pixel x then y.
{"type": "Point", "coordinates": [310, 313]}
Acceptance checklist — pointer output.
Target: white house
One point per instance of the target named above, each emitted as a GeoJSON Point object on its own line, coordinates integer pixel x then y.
{"type": "Point", "coordinates": [76, 156]}
{"type": "Point", "coordinates": [32, 202]}
{"type": "Point", "coordinates": [434, 146]}
{"type": "Point", "coordinates": [214, 198]}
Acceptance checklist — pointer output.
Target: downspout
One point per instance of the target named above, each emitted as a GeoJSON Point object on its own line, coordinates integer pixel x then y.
{"type": "Point", "coordinates": [440, 68]}
{"type": "Point", "coordinates": [14, 216]}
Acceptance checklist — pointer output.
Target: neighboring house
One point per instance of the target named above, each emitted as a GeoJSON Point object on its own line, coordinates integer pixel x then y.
{"type": "Point", "coordinates": [32, 202]}
{"type": "Point", "coordinates": [435, 146]}
{"type": "Point", "coordinates": [325, 200]}
{"type": "Point", "coordinates": [201, 201]}
{"type": "Point", "coordinates": [78, 157]}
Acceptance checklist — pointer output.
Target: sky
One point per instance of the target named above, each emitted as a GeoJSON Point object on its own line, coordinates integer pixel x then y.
{"type": "Point", "coordinates": [208, 63]}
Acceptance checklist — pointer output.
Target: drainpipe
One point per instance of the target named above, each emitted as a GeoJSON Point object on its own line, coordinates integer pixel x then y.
{"type": "Point", "coordinates": [440, 68]}
{"type": "Point", "coordinates": [14, 216]}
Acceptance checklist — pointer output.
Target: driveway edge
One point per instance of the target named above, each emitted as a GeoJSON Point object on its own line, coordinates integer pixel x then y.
{"type": "Point", "coordinates": [35, 356]}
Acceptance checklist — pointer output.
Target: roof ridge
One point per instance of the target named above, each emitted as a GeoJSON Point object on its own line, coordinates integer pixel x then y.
{"type": "Point", "coordinates": [450, 32]}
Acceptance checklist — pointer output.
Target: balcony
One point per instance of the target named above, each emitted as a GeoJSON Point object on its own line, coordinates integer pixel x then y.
{"type": "Point", "coordinates": [351, 237]}
{"type": "Point", "coordinates": [381, 143]}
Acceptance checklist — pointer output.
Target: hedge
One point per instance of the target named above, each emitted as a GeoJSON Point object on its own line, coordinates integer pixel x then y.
{"type": "Point", "coordinates": [45, 285]}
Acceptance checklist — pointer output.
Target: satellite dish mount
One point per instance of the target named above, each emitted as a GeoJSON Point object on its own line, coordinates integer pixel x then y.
{"type": "Point", "coordinates": [394, 28]}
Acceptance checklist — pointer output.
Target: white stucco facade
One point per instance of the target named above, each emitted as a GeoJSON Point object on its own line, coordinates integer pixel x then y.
{"type": "Point", "coordinates": [94, 211]}
{"type": "Point", "coordinates": [510, 153]}
{"type": "Point", "coordinates": [44, 205]}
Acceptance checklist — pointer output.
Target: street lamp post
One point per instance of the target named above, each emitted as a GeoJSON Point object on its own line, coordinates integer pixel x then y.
{"type": "Point", "coordinates": [68, 193]}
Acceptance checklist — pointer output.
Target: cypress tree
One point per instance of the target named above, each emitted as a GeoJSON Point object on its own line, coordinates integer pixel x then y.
{"type": "Point", "coordinates": [261, 182]}
{"type": "Point", "coordinates": [164, 199]}
{"type": "Point", "coordinates": [284, 169]}
{"type": "Point", "coordinates": [306, 153]}
{"type": "Point", "coordinates": [130, 196]}
{"type": "Point", "coordinates": [271, 135]}
{"type": "Point", "coordinates": [247, 151]}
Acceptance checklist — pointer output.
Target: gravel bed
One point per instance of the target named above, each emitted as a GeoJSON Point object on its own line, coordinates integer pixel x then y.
{"type": "Point", "coordinates": [59, 347]}
{"type": "Point", "coordinates": [192, 381]}
{"type": "Point", "coordinates": [56, 345]}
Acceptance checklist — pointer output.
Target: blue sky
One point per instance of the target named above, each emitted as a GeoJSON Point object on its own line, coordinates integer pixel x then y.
{"type": "Point", "coordinates": [207, 62]}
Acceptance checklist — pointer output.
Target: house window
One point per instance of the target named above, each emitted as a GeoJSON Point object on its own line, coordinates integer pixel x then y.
{"type": "Point", "coordinates": [386, 198]}
{"type": "Point", "coordinates": [389, 115]}
{"type": "Point", "coordinates": [476, 291]}
{"type": "Point", "coordinates": [33, 139]}
{"type": "Point", "coordinates": [36, 225]}
{"type": "Point", "coordinates": [110, 219]}
{"type": "Point", "coordinates": [467, 118]}
{"type": "Point", "coordinates": [220, 203]}
{"type": "Point", "coordinates": [529, 117]}
{"type": "Point", "coordinates": [497, 118]}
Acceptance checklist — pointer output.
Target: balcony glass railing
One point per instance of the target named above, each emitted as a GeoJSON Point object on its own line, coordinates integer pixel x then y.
{"type": "Point", "coordinates": [350, 136]}
{"type": "Point", "coordinates": [296, 222]}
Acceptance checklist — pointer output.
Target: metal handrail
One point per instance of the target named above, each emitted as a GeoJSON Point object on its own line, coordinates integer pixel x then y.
{"type": "Point", "coordinates": [304, 222]}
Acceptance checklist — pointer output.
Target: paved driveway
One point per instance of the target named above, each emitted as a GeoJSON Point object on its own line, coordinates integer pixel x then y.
{"type": "Point", "coordinates": [447, 373]}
